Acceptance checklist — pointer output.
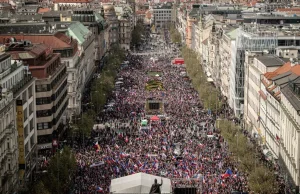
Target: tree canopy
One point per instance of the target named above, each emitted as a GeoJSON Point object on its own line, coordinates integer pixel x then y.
{"type": "Point", "coordinates": [208, 94]}
{"type": "Point", "coordinates": [60, 171]}
{"type": "Point", "coordinates": [261, 179]}
{"type": "Point", "coordinates": [136, 34]}
{"type": "Point", "coordinates": [175, 35]}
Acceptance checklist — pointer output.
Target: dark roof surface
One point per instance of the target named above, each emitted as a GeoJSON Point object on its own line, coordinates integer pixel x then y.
{"type": "Point", "coordinates": [271, 61]}
{"type": "Point", "coordinates": [292, 98]}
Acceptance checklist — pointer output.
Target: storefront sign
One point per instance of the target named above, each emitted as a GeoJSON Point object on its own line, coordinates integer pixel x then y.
{"type": "Point", "coordinates": [20, 127]}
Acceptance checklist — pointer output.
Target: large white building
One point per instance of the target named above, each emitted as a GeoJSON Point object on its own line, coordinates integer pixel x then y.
{"type": "Point", "coordinates": [228, 39]}
{"type": "Point", "coordinates": [126, 24]}
{"type": "Point", "coordinates": [18, 135]}
{"type": "Point", "coordinates": [81, 70]}
{"type": "Point", "coordinates": [255, 101]}
{"type": "Point", "coordinates": [290, 128]}
{"type": "Point", "coordinates": [161, 15]}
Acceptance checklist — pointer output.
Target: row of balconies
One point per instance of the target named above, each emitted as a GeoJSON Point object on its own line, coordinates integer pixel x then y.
{"type": "Point", "coordinates": [6, 99]}
{"type": "Point", "coordinates": [7, 131]}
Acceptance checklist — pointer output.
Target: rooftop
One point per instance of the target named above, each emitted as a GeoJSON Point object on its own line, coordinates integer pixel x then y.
{"type": "Point", "coordinates": [56, 41]}
{"type": "Point", "coordinates": [4, 56]}
{"type": "Point", "coordinates": [78, 31]}
{"type": "Point", "coordinates": [280, 72]}
{"type": "Point", "coordinates": [273, 16]}
{"type": "Point", "coordinates": [25, 53]}
{"type": "Point", "coordinates": [232, 34]}
{"type": "Point", "coordinates": [291, 96]}
{"type": "Point", "coordinates": [52, 13]}
{"type": "Point", "coordinates": [271, 60]}
{"type": "Point", "coordinates": [72, 1]}
{"type": "Point", "coordinates": [43, 10]}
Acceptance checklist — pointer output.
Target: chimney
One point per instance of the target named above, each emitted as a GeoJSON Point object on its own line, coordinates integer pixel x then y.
{"type": "Point", "coordinates": [293, 62]}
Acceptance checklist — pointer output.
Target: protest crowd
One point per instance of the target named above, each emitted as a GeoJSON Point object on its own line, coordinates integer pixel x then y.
{"type": "Point", "coordinates": [183, 144]}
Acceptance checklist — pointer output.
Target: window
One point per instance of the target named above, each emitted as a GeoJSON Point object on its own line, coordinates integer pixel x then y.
{"type": "Point", "coordinates": [43, 113]}
{"type": "Point", "coordinates": [46, 126]}
{"type": "Point", "coordinates": [31, 125]}
{"type": "Point", "coordinates": [30, 108]}
{"type": "Point", "coordinates": [26, 131]}
{"type": "Point", "coordinates": [41, 88]}
{"type": "Point", "coordinates": [30, 92]}
{"type": "Point", "coordinates": [32, 142]}
{"type": "Point", "coordinates": [45, 100]}
{"type": "Point", "coordinates": [40, 126]}
{"type": "Point", "coordinates": [25, 114]}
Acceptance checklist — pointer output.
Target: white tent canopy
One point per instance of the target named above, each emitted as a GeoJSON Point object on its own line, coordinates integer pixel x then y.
{"type": "Point", "coordinates": [210, 79]}
{"type": "Point", "coordinates": [138, 183]}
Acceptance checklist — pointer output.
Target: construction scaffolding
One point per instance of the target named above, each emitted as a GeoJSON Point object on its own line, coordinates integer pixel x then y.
{"type": "Point", "coordinates": [250, 38]}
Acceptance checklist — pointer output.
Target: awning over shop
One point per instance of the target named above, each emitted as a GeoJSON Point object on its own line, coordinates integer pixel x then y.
{"type": "Point", "coordinates": [178, 61]}
{"type": "Point", "coordinates": [155, 118]}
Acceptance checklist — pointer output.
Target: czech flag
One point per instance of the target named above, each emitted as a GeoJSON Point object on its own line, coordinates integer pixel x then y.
{"type": "Point", "coordinates": [227, 174]}
{"type": "Point", "coordinates": [99, 190]}
{"type": "Point", "coordinates": [139, 163]}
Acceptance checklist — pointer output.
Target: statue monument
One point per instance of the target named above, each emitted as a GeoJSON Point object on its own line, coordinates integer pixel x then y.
{"type": "Point", "coordinates": [155, 189]}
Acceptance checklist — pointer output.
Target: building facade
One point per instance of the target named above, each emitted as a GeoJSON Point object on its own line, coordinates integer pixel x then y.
{"type": "Point", "coordinates": [290, 119]}
{"type": "Point", "coordinates": [113, 24]}
{"type": "Point", "coordinates": [9, 160]}
{"type": "Point", "coordinates": [161, 15]}
{"type": "Point", "coordinates": [19, 146]}
{"type": "Point", "coordinates": [50, 89]}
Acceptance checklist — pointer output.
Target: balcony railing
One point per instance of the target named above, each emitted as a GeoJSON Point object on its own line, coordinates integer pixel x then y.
{"type": "Point", "coordinates": [6, 99]}
{"type": "Point", "coordinates": [22, 83]}
{"type": "Point", "coordinates": [10, 128]}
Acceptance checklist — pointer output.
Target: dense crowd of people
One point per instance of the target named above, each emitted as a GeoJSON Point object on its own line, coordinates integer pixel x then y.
{"type": "Point", "coordinates": [184, 143]}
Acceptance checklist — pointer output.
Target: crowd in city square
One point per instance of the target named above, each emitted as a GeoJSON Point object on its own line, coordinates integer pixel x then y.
{"type": "Point", "coordinates": [183, 143]}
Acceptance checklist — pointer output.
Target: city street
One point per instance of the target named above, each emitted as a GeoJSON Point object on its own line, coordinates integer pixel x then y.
{"type": "Point", "coordinates": [183, 144]}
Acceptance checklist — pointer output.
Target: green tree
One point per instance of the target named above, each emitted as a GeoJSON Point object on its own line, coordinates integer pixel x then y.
{"type": "Point", "coordinates": [136, 34]}
{"type": "Point", "coordinates": [174, 34]}
{"type": "Point", "coordinates": [98, 100]}
{"type": "Point", "coordinates": [208, 94]}
{"type": "Point", "coordinates": [263, 181]}
{"type": "Point", "coordinates": [60, 171]}
{"type": "Point", "coordinates": [39, 188]}
{"type": "Point", "coordinates": [85, 124]}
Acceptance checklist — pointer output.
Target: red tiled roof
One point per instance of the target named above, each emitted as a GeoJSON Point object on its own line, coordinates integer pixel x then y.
{"type": "Point", "coordinates": [252, 3]}
{"type": "Point", "coordinates": [296, 69]}
{"type": "Point", "coordinates": [283, 69]}
{"type": "Point", "coordinates": [43, 10]}
{"type": "Point", "coordinates": [72, 1]}
{"type": "Point", "coordinates": [288, 9]}
{"type": "Point", "coordinates": [56, 41]}
{"type": "Point", "coordinates": [262, 94]}
{"type": "Point", "coordinates": [277, 93]}
{"type": "Point", "coordinates": [272, 88]}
